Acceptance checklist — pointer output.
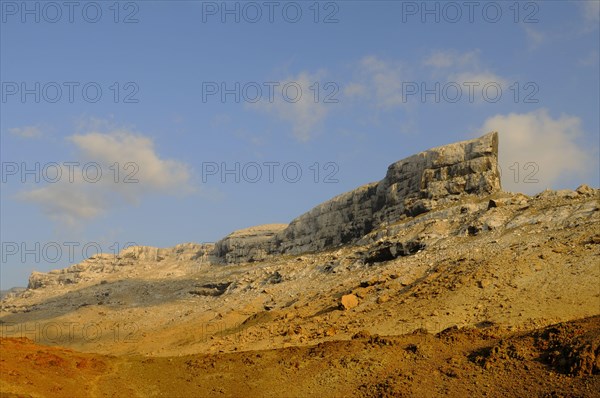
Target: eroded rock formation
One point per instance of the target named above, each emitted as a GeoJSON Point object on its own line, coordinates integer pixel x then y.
{"type": "Point", "coordinates": [248, 244]}
{"type": "Point", "coordinates": [411, 186]}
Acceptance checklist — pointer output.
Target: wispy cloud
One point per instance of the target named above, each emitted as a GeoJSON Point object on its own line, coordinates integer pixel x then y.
{"type": "Point", "coordinates": [130, 169]}
{"type": "Point", "coordinates": [299, 107]}
{"type": "Point", "coordinates": [443, 59]}
{"type": "Point", "coordinates": [399, 84]}
{"type": "Point", "coordinates": [538, 151]}
{"type": "Point", "coordinates": [463, 68]}
{"type": "Point", "coordinates": [590, 10]}
{"type": "Point", "coordinates": [125, 146]}
{"type": "Point", "coordinates": [379, 81]}
{"type": "Point", "coordinates": [482, 78]}
{"type": "Point", "coordinates": [26, 131]}
{"type": "Point", "coordinates": [535, 37]}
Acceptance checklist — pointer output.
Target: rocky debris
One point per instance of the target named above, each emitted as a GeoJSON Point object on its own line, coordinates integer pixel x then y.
{"type": "Point", "coordinates": [363, 334]}
{"type": "Point", "coordinates": [12, 292]}
{"type": "Point", "coordinates": [362, 292]}
{"type": "Point", "coordinates": [274, 278]}
{"type": "Point", "coordinates": [506, 200]}
{"type": "Point", "coordinates": [387, 251]}
{"type": "Point", "coordinates": [484, 283]}
{"type": "Point", "coordinates": [586, 190]}
{"type": "Point", "coordinates": [571, 348]}
{"type": "Point", "coordinates": [210, 289]}
{"type": "Point", "coordinates": [348, 301]}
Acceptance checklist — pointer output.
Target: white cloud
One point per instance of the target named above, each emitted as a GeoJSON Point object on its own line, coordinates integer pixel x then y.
{"type": "Point", "coordinates": [354, 90]}
{"type": "Point", "coordinates": [461, 67]}
{"type": "Point", "coordinates": [479, 77]}
{"type": "Point", "coordinates": [486, 86]}
{"type": "Point", "coordinates": [467, 70]}
{"type": "Point", "coordinates": [379, 81]}
{"type": "Point", "coordinates": [26, 131]}
{"type": "Point", "coordinates": [534, 37]}
{"type": "Point", "coordinates": [300, 107]}
{"type": "Point", "coordinates": [125, 147]}
{"type": "Point", "coordinates": [590, 10]}
{"type": "Point", "coordinates": [66, 204]}
{"type": "Point", "coordinates": [453, 59]}
{"type": "Point", "coordinates": [391, 84]}
{"type": "Point", "coordinates": [542, 148]}
{"type": "Point", "coordinates": [130, 169]}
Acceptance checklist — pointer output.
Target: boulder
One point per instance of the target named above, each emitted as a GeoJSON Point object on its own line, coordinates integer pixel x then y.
{"type": "Point", "coordinates": [348, 301]}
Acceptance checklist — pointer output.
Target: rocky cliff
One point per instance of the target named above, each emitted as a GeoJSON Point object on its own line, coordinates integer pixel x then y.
{"type": "Point", "coordinates": [248, 244]}
{"type": "Point", "coordinates": [411, 186]}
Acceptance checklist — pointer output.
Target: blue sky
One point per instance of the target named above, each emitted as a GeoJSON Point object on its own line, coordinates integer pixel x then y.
{"type": "Point", "coordinates": [356, 85]}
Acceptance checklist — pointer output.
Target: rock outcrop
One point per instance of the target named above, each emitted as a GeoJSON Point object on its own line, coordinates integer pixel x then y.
{"type": "Point", "coordinates": [104, 265]}
{"type": "Point", "coordinates": [250, 244]}
{"type": "Point", "coordinates": [411, 186]}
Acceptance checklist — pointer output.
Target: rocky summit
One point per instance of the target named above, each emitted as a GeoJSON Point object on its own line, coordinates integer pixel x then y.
{"type": "Point", "coordinates": [431, 273]}
{"type": "Point", "coordinates": [412, 186]}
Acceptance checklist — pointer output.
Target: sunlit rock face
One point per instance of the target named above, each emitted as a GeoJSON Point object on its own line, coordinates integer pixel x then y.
{"type": "Point", "coordinates": [412, 186]}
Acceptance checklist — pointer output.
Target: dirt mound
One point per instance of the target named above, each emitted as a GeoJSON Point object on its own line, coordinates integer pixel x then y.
{"type": "Point", "coordinates": [570, 348]}
{"type": "Point", "coordinates": [28, 369]}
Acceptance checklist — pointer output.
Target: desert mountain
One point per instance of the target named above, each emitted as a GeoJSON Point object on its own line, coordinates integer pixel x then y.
{"type": "Point", "coordinates": [436, 244]}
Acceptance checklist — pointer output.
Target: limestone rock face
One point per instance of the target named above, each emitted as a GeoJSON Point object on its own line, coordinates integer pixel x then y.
{"type": "Point", "coordinates": [411, 186]}
{"type": "Point", "coordinates": [250, 244]}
